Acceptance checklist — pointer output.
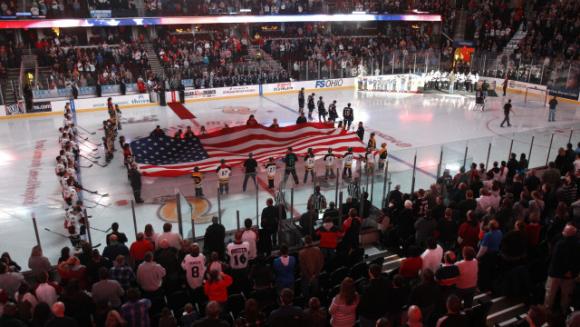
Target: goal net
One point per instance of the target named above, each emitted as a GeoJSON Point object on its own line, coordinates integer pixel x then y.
{"type": "Point", "coordinates": [536, 96]}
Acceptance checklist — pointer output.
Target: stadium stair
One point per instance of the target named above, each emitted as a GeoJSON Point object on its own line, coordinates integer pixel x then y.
{"type": "Point", "coordinates": [504, 310]}
{"type": "Point", "coordinates": [9, 86]}
{"type": "Point", "coordinates": [153, 60]}
{"type": "Point", "coordinates": [512, 45]}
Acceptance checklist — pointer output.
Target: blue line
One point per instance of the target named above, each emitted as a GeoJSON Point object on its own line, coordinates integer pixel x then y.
{"type": "Point", "coordinates": [390, 155]}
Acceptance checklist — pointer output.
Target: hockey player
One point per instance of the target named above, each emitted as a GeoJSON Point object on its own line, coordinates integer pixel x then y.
{"type": "Point", "coordinates": [321, 110]}
{"type": "Point", "coordinates": [224, 172]}
{"type": "Point", "coordinates": [332, 113]}
{"type": "Point", "coordinates": [329, 164]}
{"type": "Point", "coordinates": [198, 182]}
{"type": "Point", "coordinates": [372, 143]}
{"type": "Point", "coordinates": [347, 116]}
{"type": "Point", "coordinates": [271, 172]}
{"type": "Point", "coordinates": [310, 106]}
{"type": "Point", "coordinates": [290, 161]}
{"type": "Point", "coordinates": [347, 160]}
{"type": "Point", "coordinates": [309, 161]}
{"type": "Point", "coordinates": [301, 100]}
{"type": "Point", "coordinates": [382, 156]}
{"type": "Point", "coordinates": [369, 159]}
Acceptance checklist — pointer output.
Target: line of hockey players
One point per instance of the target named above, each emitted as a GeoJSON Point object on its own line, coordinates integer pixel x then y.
{"type": "Point", "coordinates": [66, 171]}
{"type": "Point", "coordinates": [323, 112]}
{"type": "Point", "coordinates": [330, 159]}
{"type": "Point", "coordinates": [452, 81]}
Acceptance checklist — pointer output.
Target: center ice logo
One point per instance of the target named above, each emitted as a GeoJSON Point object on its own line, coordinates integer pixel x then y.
{"type": "Point", "coordinates": [200, 206]}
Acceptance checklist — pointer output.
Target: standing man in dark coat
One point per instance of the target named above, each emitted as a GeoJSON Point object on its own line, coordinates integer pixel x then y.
{"type": "Point", "coordinates": [135, 179]}
{"type": "Point", "coordinates": [214, 238]}
{"type": "Point", "coordinates": [507, 109]}
{"type": "Point", "coordinates": [301, 100]}
{"type": "Point", "coordinates": [347, 116]}
{"type": "Point", "coordinates": [269, 221]}
{"type": "Point", "coordinates": [250, 171]}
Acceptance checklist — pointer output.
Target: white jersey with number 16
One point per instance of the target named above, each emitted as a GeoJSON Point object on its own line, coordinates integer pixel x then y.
{"type": "Point", "coordinates": [239, 255]}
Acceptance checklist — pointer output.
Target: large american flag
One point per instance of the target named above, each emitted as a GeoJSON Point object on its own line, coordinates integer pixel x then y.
{"type": "Point", "coordinates": [167, 157]}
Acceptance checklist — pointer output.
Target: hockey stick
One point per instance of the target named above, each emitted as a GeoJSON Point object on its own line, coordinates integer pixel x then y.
{"type": "Point", "coordinates": [89, 166]}
{"type": "Point", "coordinates": [86, 130]}
{"type": "Point", "coordinates": [97, 203]}
{"type": "Point", "coordinates": [94, 161]}
{"type": "Point", "coordinates": [97, 193]}
{"type": "Point", "coordinates": [91, 142]}
{"type": "Point", "coordinates": [68, 237]}
{"type": "Point", "coordinates": [101, 230]}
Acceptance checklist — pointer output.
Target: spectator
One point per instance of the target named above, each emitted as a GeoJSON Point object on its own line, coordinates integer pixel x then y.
{"type": "Point", "coordinates": [121, 237]}
{"type": "Point", "coordinates": [329, 236]}
{"type": "Point", "coordinates": [173, 239]}
{"type": "Point", "coordinates": [286, 315]}
{"type": "Point", "coordinates": [58, 310]}
{"type": "Point", "coordinates": [251, 316]}
{"type": "Point", "coordinates": [250, 236]}
{"type": "Point", "coordinates": [468, 234]}
{"type": "Point", "coordinates": [467, 280]}
{"type": "Point", "coordinates": [284, 267]}
{"type": "Point", "coordinates": [426, 295]}
{"type": "Point", "coordinates": [45, 291]}
{"type": "Point", "coordinates": [107, 290]}
{"type": "Point", "coordinates": [351, 231]}
{"type": "Point", "coordinates": [308, 221]}
{"type": "Point", "coordinates": [122, 273]}
{"type": "Point", "coordinates": [140, 247]}
{"type": "Point", "coordinates": [72, 269]}
{"type": "Point", "coordinates": [216, 286]}
{"type": "Point", "coordinates": [189, 315]}
{"type": "Point", "coordinates": [26, 301]}
{"type": "Point", "coordinates": [563, 269]}
{"type": "Point", "coordinates": [9, 281]}
{"type": "Point", "coordinates": [115, 248]}
{"type": "Point", "coordinates": [454, 317]}
{"type": "Point", "coordinates": [411, 265]}
{"type": "Point", "coordinates": [149, 234]}
{"type": "Point", "coordinates": [448, 273]}
{"type": "Point", "coordinates": [269, 220]}
{"type": "Point", "coordinates": [414, 317]}
{"type": "Point", "coordinates": [487, 255]}
{"type": "Point", "coordinates": [311, 262]}
{"type": "Point", "coordinates": [315, 315]}
{"type": "Point", "coordinates": [212, 316]}
{"type": "Point", "coordinates": [37, 262]}
{"type": "Point", "coordinates": [432, 256]}
{"type": "Point", "coordinates": [166, 256]}
{"type": "Point", "coordinates": [12, 265]}
{"type": "Point", "coordinates": [41, 315]}
{"type": "Point", "coordinates": [136, 310]}
{"type": "Point", "coordinates": [425, 226]}
{"type": "Point", "coordinates": [374, 298]}
{"type": "Point", "coordinates": [78, 303]}
{"type": "Point", "coordinates": [447, 230]}
{"type": "Point", "coordinates": [194, 265]}
{"type": "Point", "coordinates": [214, 239]}
{"type": "Point", "coordinates": [343, 307]}
{"type": "Point", "coordinates": [150, 275]}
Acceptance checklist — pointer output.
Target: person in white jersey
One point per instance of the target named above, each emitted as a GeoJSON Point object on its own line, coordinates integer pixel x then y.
{"type": "Point", "coordinates": [194, 266]}
{"type": "Point", "coordinates": [238, 253]}
{"type": "Point", "coordinates": [250, 236]}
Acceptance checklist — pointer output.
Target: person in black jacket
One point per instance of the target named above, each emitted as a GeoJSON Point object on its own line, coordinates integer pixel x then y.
{"type": "Point", "coordinates": [214, 238]}
{"type": "Point", "coordinates": [135, 179]}
{"type": "Point", "coordinates": [269, 220]}
{"type": "Point", "coordinates": [374, 299]}
{"type": "Point", "coordinates": [564, 268]}
{"type": "Point", "coordinates": [250, 171]}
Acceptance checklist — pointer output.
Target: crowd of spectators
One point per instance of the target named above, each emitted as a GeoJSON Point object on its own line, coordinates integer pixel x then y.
{"type": "Point", "coordinates": [111, 60]}
{"type": "Point", "coordinates": [552, 32]}
{"type": "Point", "coordinates": [7, 8]}
{"type": "Point", "coordinates": [215, 62]}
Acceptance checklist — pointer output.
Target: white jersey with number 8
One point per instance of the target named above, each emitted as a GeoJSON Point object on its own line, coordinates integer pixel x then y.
{"type": "Point", "coordinates": [239, 255]}
{"type": "Point", "coordinates": [194, 269]}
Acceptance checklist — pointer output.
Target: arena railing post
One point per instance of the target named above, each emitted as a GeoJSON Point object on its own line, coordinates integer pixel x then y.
{"type": "Point", "coordinates": [292, 202]}
{"type": "Point", "coordinates": [511, 147]}
{"type": "Point", "coordinates": [393, 64]}
{"type": "Point", "coordinates": [414, 169]}
{"type": "Point", "coordinates": [549, 149]}
{"type": "Point", "coordinates": [134, 217]}
{"type": "Point", "coordinates": [179, 217]}
{"type": "Point", "coordinates": [340, 209]}
{"type": "Point", "coordinates": [570, 137]}
{"type": "Point", "coordinates": [531, 147]}
{"type": "Point", "coordinates": [35, 225]}
{"type": "Point", "coordinates": [219, 200]}
{"type": "Point", "coordinates": [385, 178]}
{"type": "Point", "coordinates": [238, 219]}
{"type": "Point", "coordinates": [415, 63]}
{"type": "Point", "coordinates": [530, 70]}
{"type": "Point", "coordinates": [88, 227]}
{"type": "Point", "coordinates": [440, 164]}
{"type": "Point", "coordinates": [542, 74]}
{"type": "Point", "coordinates": [372, 185]}
{"type": "Point", "coordinates": [383, 64]}
{"type": "Point", "coordinates": [257, 199]}
{"type": "Point", "coordinates": [465, 156]}
{"type": "Point", "coordinates": [488, 154]}
{"type": "Point", "coordinates": [336, 187]}
{"type": "Point", "coordinates": [427, 63]}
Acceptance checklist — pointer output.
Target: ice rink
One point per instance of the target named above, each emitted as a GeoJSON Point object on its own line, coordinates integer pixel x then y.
{"type": "Point", "coordinates": [425, 125]}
